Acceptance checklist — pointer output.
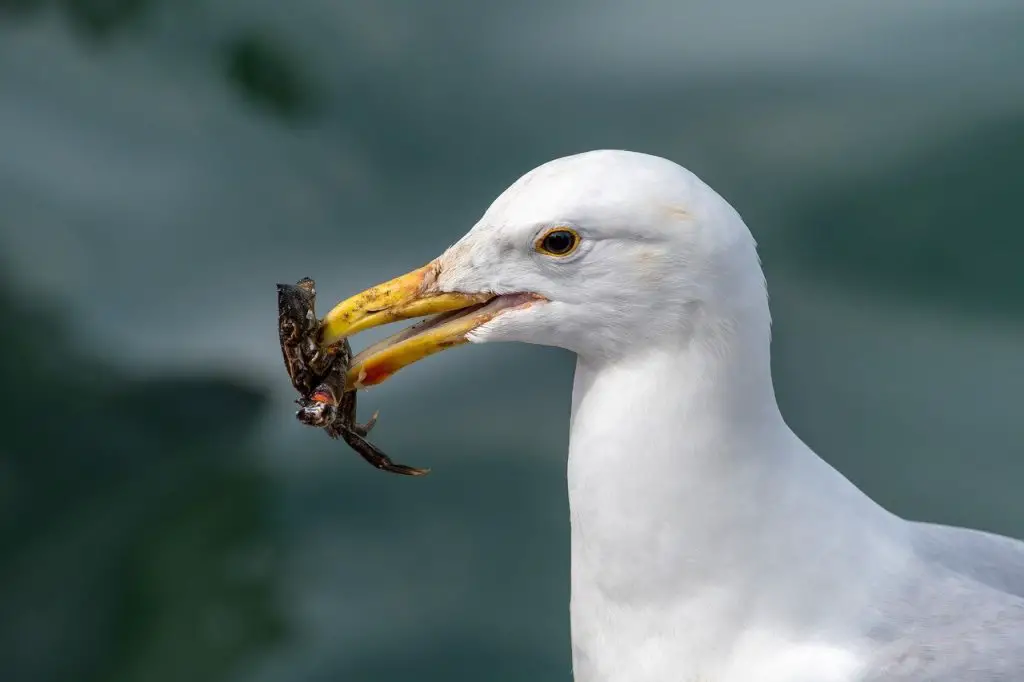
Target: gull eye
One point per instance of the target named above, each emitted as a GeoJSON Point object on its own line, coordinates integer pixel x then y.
{"type": "Point", "coordinates": [560, 241]}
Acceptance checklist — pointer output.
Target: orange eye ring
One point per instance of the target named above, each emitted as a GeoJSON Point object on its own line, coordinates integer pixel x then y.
{"type": "Point", "coordinates": [558, 241]}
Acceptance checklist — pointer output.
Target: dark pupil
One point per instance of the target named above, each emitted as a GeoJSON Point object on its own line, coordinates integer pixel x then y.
{"type": "Point", "coordinates": [558, 242]}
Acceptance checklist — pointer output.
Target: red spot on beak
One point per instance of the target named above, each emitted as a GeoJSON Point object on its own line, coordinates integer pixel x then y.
{"type": "Point", "coordinates": [376, 375]}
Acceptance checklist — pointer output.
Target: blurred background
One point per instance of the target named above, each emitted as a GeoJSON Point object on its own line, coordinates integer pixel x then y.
{"type": "Point", "coordinates": [163, 163]}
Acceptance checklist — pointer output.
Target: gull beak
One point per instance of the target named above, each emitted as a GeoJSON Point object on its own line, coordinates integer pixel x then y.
{"type": "Point", "coordinates": [412, 295]}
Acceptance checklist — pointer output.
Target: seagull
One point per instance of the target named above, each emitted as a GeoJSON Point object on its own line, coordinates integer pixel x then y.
{"type": "Point", "coordinates": [709, 543]}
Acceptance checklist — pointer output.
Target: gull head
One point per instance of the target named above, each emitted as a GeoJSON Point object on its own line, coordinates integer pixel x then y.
{"type": "Point", "coordinates": [599, 253]}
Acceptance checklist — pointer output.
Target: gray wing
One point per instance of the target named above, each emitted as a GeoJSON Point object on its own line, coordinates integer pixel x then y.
{"type": "Point", "coordinates": [955, 630]}
{"type": "Point", "coordinates": [960, 616]}
{"type": "Point", "coordinates": [993, 560]}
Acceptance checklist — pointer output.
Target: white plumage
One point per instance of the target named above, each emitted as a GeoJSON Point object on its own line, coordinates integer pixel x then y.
{"type": "Point", "coordinates": [708, 542]}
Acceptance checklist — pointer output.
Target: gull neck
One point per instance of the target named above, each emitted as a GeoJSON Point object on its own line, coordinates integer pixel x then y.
{"type": "Point", "coordinates": [696, 512]}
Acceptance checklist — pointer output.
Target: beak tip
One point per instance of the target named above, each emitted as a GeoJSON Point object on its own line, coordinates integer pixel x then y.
{"type": "Point", "coordinates": [333, 329]}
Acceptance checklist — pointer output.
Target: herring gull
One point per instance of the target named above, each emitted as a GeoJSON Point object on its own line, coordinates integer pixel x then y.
{"type": "Point", "coordinates": [709, 543]}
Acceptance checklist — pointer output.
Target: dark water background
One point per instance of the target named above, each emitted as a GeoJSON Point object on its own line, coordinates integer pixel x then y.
{"type": "Point", "coordinates": [164, 518]}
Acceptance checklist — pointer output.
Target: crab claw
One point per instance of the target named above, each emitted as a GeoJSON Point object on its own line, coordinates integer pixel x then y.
{"type": "Point", "coordinates": [364, 429]}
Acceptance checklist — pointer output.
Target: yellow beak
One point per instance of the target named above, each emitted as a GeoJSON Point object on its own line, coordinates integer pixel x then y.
{"type": "Point", "coordinates": [409, 296]}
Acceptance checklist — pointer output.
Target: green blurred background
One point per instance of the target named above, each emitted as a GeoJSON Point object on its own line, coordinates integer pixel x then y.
{"type": "Point", "coordinates": [163, 163]}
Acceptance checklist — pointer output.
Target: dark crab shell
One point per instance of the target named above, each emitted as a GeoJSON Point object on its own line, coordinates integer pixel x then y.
{"type": "Point", "coordinates": [319, 376]}
{"type": "Point", "coordinates": [298, 326]}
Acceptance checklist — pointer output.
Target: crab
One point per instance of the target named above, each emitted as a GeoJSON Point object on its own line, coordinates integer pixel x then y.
{"type": "Point", "coordinates": [318, 374]}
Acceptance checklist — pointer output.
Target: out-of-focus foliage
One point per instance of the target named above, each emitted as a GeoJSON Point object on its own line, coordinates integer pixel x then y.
{"type": "Point", "coordinates": [102, 18]}
{"type": "Point", "coordinates": [135, 542]}
{"type": "Point", "coordinates": [264, 72]}
{"type": "Point", "coordinates": [257, 65]}
{"type": "Point", "coordinates": [92, 19]}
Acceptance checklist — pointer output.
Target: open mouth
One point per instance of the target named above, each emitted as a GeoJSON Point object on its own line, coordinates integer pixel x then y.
{"type": "Point", "coordinates": [432, 335]}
